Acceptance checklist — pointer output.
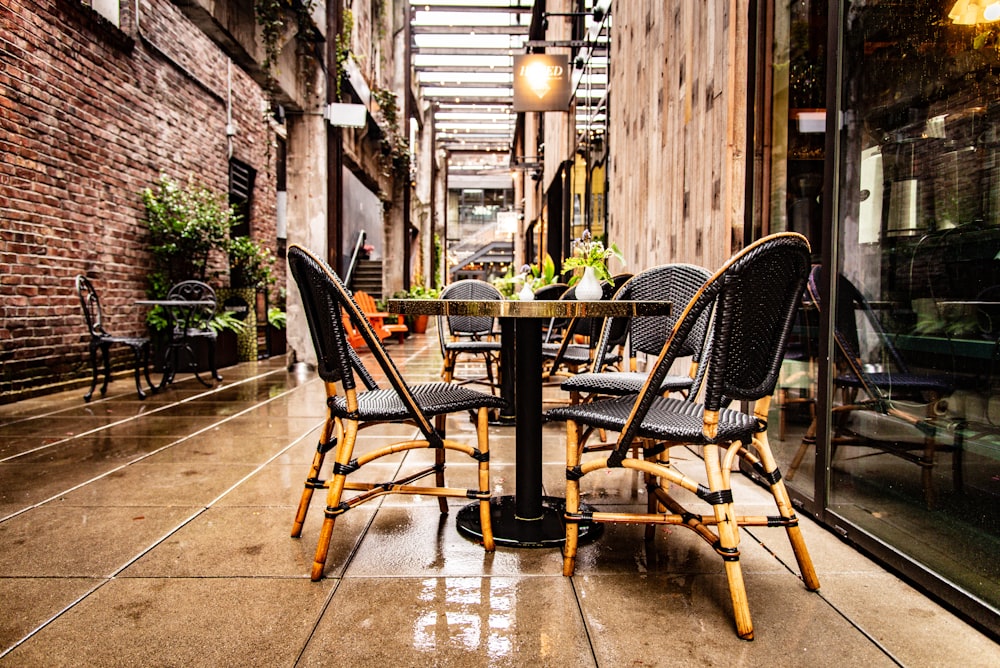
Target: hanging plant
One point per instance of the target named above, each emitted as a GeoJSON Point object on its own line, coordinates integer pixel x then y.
{"type": "Point", "coordinates": [270, 16]}
{"type": "Point", "coordinates": [342, 48]}
{"type": "Point", "coordinates": [395, 156]}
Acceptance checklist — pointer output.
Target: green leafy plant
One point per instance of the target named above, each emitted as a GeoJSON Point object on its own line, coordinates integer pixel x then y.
{"type": "Point", "coordinates": [276, 317]}
{"type": "Point", "coordinates": [249, 264]}
{"type": "Point", "coordinates": [394, 143]}
{"type": "Point", "coordinates": [270, 16]}
{"type": "Point", "coordinates": [186, 224]}
{"type": "Point", "coordinates": [226, 320]}
{"type": "Point", "coordinates": [590, 252]}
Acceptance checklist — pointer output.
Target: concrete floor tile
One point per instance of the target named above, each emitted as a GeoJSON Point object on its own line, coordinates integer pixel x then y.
{"type": "Point", "coordinates": [250, 542]}
{"type": "Point", "coordinates": [159, 484]}
{"type": "Point", "coordinates": [181, 622]}
{"type": "Point", "coordinates": [451, 621]}
{"type": "Point", "coordinates": [909, 625]}
{"type": "Point", "coordinates": [66, 541]}
{"type": "Point", "coordinates": [417, 540]}
{"type": "Point", "coordinates": [30, 602]}
{"type": "Point", "coordinates": [686, 620]}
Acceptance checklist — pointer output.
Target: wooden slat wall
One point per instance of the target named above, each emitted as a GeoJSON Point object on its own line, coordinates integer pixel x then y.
{"type": "Point", "coordinates": [677, 130]}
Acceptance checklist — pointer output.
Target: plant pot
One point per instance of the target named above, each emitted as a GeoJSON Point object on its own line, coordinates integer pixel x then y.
{"type": "Point", "coordinates": [417, 323]}
{"type": "Point", "coordinates": [276, 341]}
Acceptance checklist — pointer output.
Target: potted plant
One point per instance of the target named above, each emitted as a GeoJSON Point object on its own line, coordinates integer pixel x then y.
{"type": "Point", "coordinates": [592, 256]}
{"type": "Point", "coordinates": [188, 224]}
{"type": "Point", "coordinates": [277, 319]}
{"type": "Point", "coordinates": [417, 323]}
{"type": "Point", "coordinates": [249, 272]}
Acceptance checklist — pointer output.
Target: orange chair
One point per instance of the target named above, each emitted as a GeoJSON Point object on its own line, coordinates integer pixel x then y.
{"type": "Point", "coordinates": [378, 320]}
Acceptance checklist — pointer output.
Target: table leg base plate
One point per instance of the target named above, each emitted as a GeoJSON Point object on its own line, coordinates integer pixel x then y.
{"type": "Point", "coordinates": [511, 531]}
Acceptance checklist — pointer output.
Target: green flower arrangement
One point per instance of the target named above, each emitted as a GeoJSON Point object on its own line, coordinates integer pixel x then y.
{"type": "Point", "coordinates": [590, 252]}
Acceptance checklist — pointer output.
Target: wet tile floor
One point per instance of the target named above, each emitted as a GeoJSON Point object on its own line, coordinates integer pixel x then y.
{"type": "Point", "coordinates": [157, 533]}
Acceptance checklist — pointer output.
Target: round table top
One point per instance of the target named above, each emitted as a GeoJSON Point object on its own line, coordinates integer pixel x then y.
{"type": "Point", "coordinates": [502, 308]}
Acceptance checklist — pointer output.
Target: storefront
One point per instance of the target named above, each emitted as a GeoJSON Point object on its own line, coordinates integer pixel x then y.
{"type": "Point", "coordinates": [876, 133]}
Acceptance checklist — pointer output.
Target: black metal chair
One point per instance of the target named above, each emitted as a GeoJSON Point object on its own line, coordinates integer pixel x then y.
{"type": "Point", "coordinates": [753, 298]}
{"type": "Point", "coordinates": [880, 392]}
{"type": "Point", "coordinates": [101, 340]}
{"type": "Point", "coordinates": [469, 335]}
{"type": "Point", "coordinates": [676, 283]}
{"type": "Point", "coordinates": [325, 300]}
{"type": "Point", "coordinates": [189, 324]}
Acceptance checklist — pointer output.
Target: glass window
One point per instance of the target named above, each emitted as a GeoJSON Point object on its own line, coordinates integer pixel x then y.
{"type": "Point", "coordinates": [915, 442]}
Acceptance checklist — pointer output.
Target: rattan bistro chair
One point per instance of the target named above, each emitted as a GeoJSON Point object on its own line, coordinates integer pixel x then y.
{"type": "Point", "coordinates": [101, 340]}
{"type": "Point", "coordinates": [676, 283]}
{"type": "Point", "coordinates": [469, 335]}
{"type": "Point", "coordinates": [883, 393]}
{"type": "Point", "coordinates": [324, 300]}
{"type": "Point", "coordinates": [753, 298]}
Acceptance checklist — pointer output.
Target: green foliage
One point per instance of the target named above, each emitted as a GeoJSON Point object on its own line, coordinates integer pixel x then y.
{"type": "Point", "coordinates": [277, 318]}
{"type": "Point", "coordinates": [536, 277]}
{"type": "Point", "coordinates": [342, 46]}
{"type": "Point", "coordinates": [226, 320]}
{"type": "Point", "coordinates": [590, 252]}
{"type": "Point", "coordinates": [249, 264]}
{"type": "Point", "coordinates": [186, 223]}
{"type": "Point", "coordinates": [395, 155]}
{"type": "Point", "coordinates": [417, 291]}
{"type": "Point", "coordinates": [270, 16]}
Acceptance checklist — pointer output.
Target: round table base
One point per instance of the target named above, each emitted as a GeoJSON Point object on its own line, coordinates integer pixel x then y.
{"type": "Point", "coordinates": [510, 531]}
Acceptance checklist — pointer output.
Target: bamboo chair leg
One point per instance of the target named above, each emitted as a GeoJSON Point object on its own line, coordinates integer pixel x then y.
{"type": "Point", "coordinates": [728, 546]}
{"type": "Point", "coordinates": [784, 503]}
{"type": "Point", "coordinates": [653, 505]}
{"type": "Point", "coordinates": [439, 462]}
{"type": "Point", "coordinates": [313, 480]}
{"type": "Point", "coordinates": [483, 442]}
{"type": "Point", "coordinates": [572, 496]}
{"type": "Point", "coordinates": [345, 449]}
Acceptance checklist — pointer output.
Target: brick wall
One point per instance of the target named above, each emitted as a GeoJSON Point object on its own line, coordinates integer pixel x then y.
{"type": "Point", "coordinates": [90, 114]}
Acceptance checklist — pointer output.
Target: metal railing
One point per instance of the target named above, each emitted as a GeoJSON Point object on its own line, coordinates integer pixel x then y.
{"type": "Point", "coordinates": [353, 264]}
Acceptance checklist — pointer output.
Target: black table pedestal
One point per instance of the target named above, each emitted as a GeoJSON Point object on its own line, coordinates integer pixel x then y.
{"type": "Point", "coordinates": [509, 530]}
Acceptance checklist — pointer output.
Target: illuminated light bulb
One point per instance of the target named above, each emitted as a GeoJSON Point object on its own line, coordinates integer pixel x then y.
{"type": "Point", "coordinates": [992, 12]}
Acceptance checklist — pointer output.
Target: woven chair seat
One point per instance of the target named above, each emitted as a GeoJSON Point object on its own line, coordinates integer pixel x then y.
{"type": "Point", "coordinates": [906, 383]}
{"type": "Point", "coordinates": [622, 383]}
{"type": "Point", "coordinates": [433, 399]}
{"type": "Point", "coordinates": [670, 419]}
{"type": "Point", "coordinates": [472, 346]}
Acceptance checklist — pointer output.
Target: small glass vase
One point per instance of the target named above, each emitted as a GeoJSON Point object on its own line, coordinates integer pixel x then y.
{"type": "Point", "coordinates": [589, 288]}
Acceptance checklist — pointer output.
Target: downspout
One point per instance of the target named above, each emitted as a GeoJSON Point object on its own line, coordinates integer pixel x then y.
{"type": "Point", "coordinates": [334, 142]}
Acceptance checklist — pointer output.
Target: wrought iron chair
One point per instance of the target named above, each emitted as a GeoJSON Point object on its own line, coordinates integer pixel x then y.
{"type": "Point", "coordinates": [881, 392]}
{"type": "Point", "coordinates": [752, 298]}
{"type": "Point", "coordinates": [426, 406]}
{"type": "Point", "coordinates": [469, 335]}
{"type": "Point", "coordinates": [101, 340]}
{"type": "Point", "coordinates": [189, 324]}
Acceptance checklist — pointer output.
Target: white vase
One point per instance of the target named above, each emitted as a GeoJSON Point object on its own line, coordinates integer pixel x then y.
{"type": "Point", "coordinates": [526, 295]}
{"type": "Point", "coordinates": [589, 288]}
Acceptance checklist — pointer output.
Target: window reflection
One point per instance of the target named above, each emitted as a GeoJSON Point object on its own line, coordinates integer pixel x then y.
{"type": "Point", "coordinates": [919, 240]}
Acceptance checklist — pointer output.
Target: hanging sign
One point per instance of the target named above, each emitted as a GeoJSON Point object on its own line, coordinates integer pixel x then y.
{"type": "Point", "coordinates": [541, 82]}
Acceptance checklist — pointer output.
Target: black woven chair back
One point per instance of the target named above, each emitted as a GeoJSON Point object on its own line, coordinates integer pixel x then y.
{"type": "Point", "coordinates": [476, 290]}
{"type": "Point", "coordinates": [91, 305]}
{"type": "Point", "coordinates": [325, 299]}
{"type": "Point", "coordinates": [550, 292]}
{"type": "Point", "coordinates": [752, 300]}
{"type": "Point", "coordinates": [895, 378]}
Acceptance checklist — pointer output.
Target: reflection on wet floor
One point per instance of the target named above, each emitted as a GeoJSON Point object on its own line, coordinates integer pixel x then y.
{"type": "Point", "coordinates": [157, 532]}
